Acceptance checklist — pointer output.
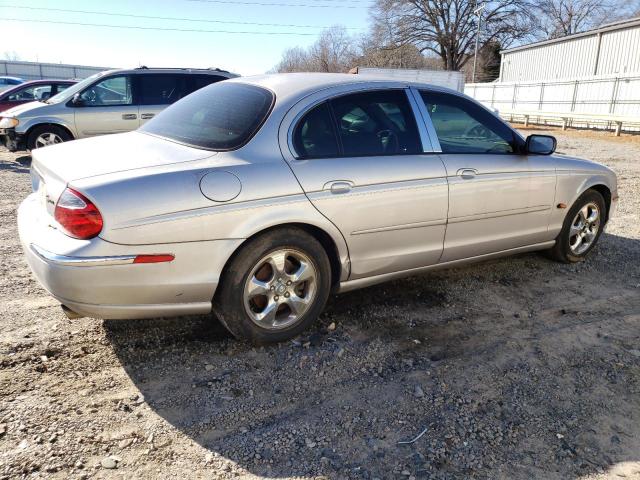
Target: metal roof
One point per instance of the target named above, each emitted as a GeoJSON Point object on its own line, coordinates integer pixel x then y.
{"type": "Point", "coordinates": [620, 25]}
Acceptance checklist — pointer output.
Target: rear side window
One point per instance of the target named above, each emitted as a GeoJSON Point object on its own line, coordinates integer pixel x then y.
{"type": "Point", "coordinates": [222, 116]}
{"type": "Point", "coordinates": [162, 89]}
{"type": "Point", "coordinates": [196, 82]}
{"type": "Point", "coordinates": [61, 87]}
{"type": "Point", "coordinates": [376, 123]}
{"type": "Point", "coordinates": [464, 127]}
{"type": "Point", "coordinates": [361, 124]}
{"type": "Point", "coordinates": [314, 136]}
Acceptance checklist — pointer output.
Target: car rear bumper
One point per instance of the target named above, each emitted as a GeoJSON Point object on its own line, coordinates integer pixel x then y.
{"type": "Point", "coordinates": [98, 279]}
{"type": "Point", "coordinates": [12, 140]}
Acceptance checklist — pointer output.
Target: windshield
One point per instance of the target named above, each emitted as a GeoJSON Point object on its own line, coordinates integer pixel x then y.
{"type": "Point", "coordinates": [73, 89]}
{"type": "Point", "coordinates": [222, 116]}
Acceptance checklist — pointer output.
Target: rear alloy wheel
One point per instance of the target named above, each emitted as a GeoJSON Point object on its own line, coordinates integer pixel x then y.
{"type": "Point", "coordinates": [582, 228]}
{"type": "Point", "coordinates": [280, 289]}
{"type": "Point", "coordinates": [275, 287]}
{"type": "Point", "coordinates": [47, 135]}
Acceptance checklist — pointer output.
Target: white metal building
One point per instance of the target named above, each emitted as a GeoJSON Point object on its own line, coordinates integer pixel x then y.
{"type": "Point", "coordinates": [613, 49]}
{"type": "Point", "coordinates": [37, 71]}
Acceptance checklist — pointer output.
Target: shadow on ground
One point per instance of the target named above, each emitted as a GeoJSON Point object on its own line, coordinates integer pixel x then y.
{"type": "Point", "coordinates": [519, 368]}
{"type": "Point", "coordinates": [19, 165]}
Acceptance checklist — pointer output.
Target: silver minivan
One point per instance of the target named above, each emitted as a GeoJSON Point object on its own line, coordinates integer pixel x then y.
{"type": "Point", "coordinates": [113, 101]}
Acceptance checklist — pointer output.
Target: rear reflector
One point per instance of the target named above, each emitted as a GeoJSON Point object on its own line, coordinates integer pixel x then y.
{"type": "Point", "coordinates": [159, 258]}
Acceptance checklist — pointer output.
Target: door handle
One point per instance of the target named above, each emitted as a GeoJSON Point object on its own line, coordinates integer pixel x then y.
{"type": "Point", "coordinates": [146, 116]}
{"type": "Point", "coordinates": [467, 173]}
{"type": "Point", "coordinates": [129, 116]}
{"type": "Point", "coordinates": [340, 186]}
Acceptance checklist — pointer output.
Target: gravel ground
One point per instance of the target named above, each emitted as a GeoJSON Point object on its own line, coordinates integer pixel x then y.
{"type": "Point", "coordinates": [515, 369]}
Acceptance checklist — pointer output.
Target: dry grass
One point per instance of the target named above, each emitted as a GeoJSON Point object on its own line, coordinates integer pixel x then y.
{"type": "Point", "coordinates": [606, 135]}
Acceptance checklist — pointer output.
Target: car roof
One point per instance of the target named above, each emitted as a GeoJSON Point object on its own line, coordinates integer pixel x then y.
{"type": "Point", "coordinates": [291, 86]}
{"type": "Point", "coordinates": [47, 80]}
{"type": "Point", "coordinates": [11, 78]}
{"type": "Point", "coordinates": [200, 71]}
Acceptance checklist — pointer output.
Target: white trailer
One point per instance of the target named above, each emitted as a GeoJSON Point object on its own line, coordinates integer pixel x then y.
{"type": "Point", "coordinates": [443, 78]}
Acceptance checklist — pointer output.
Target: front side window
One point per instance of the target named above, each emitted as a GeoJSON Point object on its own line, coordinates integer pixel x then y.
{"type": "Point", "coordinates": [162, 89]}
{"type": "Point", "coordinates": [112, 91]}
{"type": "Point", "coordinates": [28, 94]}
{"type": "Point", "coordinates": [464, 127]}
{"type": "Point", "coordinates": [376, 123]}
{"type": "Point", "coordinates": [314, 136]}
{"type": "Point", "coordinates": [222, 116]}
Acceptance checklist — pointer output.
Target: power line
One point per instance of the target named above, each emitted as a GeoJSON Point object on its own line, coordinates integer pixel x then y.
{"type": "Point", "coordinates": [151, 17]}
{"type": "Point", "coordinates": [133, 27]}
{"type": "Point", "coordinates": [278, 4]}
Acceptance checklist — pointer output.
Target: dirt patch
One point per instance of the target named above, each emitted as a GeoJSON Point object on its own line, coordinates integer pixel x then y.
{"type": "Point", "coordinates": [515, 369]}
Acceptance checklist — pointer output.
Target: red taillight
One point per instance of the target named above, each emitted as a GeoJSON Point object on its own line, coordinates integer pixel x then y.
{"type": "Point", "coordinates": [77, 215]}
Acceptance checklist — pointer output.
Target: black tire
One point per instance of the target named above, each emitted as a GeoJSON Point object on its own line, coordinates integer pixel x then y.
{"type": "Point", "coordinates": [562, 251]}
{"type": "Point", "coordinates": [229, 301]}
{"type": "Point", "coordinates": [59, 132]}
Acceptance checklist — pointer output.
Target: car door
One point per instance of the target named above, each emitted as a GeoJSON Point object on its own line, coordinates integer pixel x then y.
{"type": "Point", "coordinates": [106, 107]}
{"type": "Point", "coordinates": [496, 200]}
{"type": "Point", "coordinates": [360, 159]}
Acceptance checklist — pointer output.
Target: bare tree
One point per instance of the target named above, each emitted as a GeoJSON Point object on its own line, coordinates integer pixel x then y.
{"type": "Point", "coordinates": [379, 48]}
{"type": "Point", "coordinates": [448, 28]}
{"type": "Point", "coordinates": [12, 56]}
{"type": "Point", "coordinates": [294, 60]}
{"type": "Point", "coordinates": [557, 18]}
{"type": "Point", "coordinates": [334, 51]}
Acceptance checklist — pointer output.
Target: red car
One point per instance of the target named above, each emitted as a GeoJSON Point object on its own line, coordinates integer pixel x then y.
{"type": "Point", "coordinates": [31, 91]}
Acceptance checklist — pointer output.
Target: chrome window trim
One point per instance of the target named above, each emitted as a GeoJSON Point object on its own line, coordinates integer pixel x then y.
{"type": "Point", "coordinates": [66, 261]}
{"type": "Point", "coordinates": [426, 119]}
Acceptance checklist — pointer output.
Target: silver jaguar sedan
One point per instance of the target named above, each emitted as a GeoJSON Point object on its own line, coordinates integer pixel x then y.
{"type": "Point", "coordinates": [256, 197]}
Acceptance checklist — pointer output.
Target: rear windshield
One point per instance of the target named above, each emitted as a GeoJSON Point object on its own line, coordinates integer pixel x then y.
{"type": "Point", "coordinates": [222, 116]}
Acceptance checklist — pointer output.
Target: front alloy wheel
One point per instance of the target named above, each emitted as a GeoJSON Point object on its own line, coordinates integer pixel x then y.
{"type": "Point", "coordinates": [584, 228]}
{"type": "Point", "coordinates": [581, 229]}
{"type": "Point", "coordinates": [46, 139]}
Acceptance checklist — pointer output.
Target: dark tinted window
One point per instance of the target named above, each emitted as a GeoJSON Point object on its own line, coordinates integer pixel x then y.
{"type": "Point", "coordinates": [314, 135]}
{"type": "Point", "coordinates": [222, 116]}
{"type": "Point", "coordinates": [162, 89]}
{"type": "Point", "coordinates": [199, 81]}
{"type": "Point", "coordinates": [376, 123]}
{"type": "Point", "coordinates": [464, 127]}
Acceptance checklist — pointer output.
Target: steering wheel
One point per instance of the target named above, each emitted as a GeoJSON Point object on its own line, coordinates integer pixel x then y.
{"type": "Point", "coordinates": [478, 131]}
{"type": "Point", "coordinates": [388, 137]}
{"type": "Point", "coordinates": [90, 96]}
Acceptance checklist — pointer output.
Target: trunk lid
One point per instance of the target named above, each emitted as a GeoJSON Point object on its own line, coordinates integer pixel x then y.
{"type": "Point", "coordinates": [56, 166]}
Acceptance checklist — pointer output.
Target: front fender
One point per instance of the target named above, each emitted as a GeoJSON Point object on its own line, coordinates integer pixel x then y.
{"type": "Point", "coordinates": [573, 183]}
{"type": "Point", "coordinates": [27, 125]}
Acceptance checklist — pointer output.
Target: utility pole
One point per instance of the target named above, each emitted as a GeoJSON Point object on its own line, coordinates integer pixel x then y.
{"type": "Point", "coordinates": [478, 12]}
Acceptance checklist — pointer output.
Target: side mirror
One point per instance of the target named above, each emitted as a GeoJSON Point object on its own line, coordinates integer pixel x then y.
{"type": "Point", "coordinates": [77, 101]}
{"type": "Point", "coordinates": [541, 144]}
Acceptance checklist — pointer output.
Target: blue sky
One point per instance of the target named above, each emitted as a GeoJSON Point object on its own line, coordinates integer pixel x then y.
{"type": "Point", "coordinates": [244, 53]}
